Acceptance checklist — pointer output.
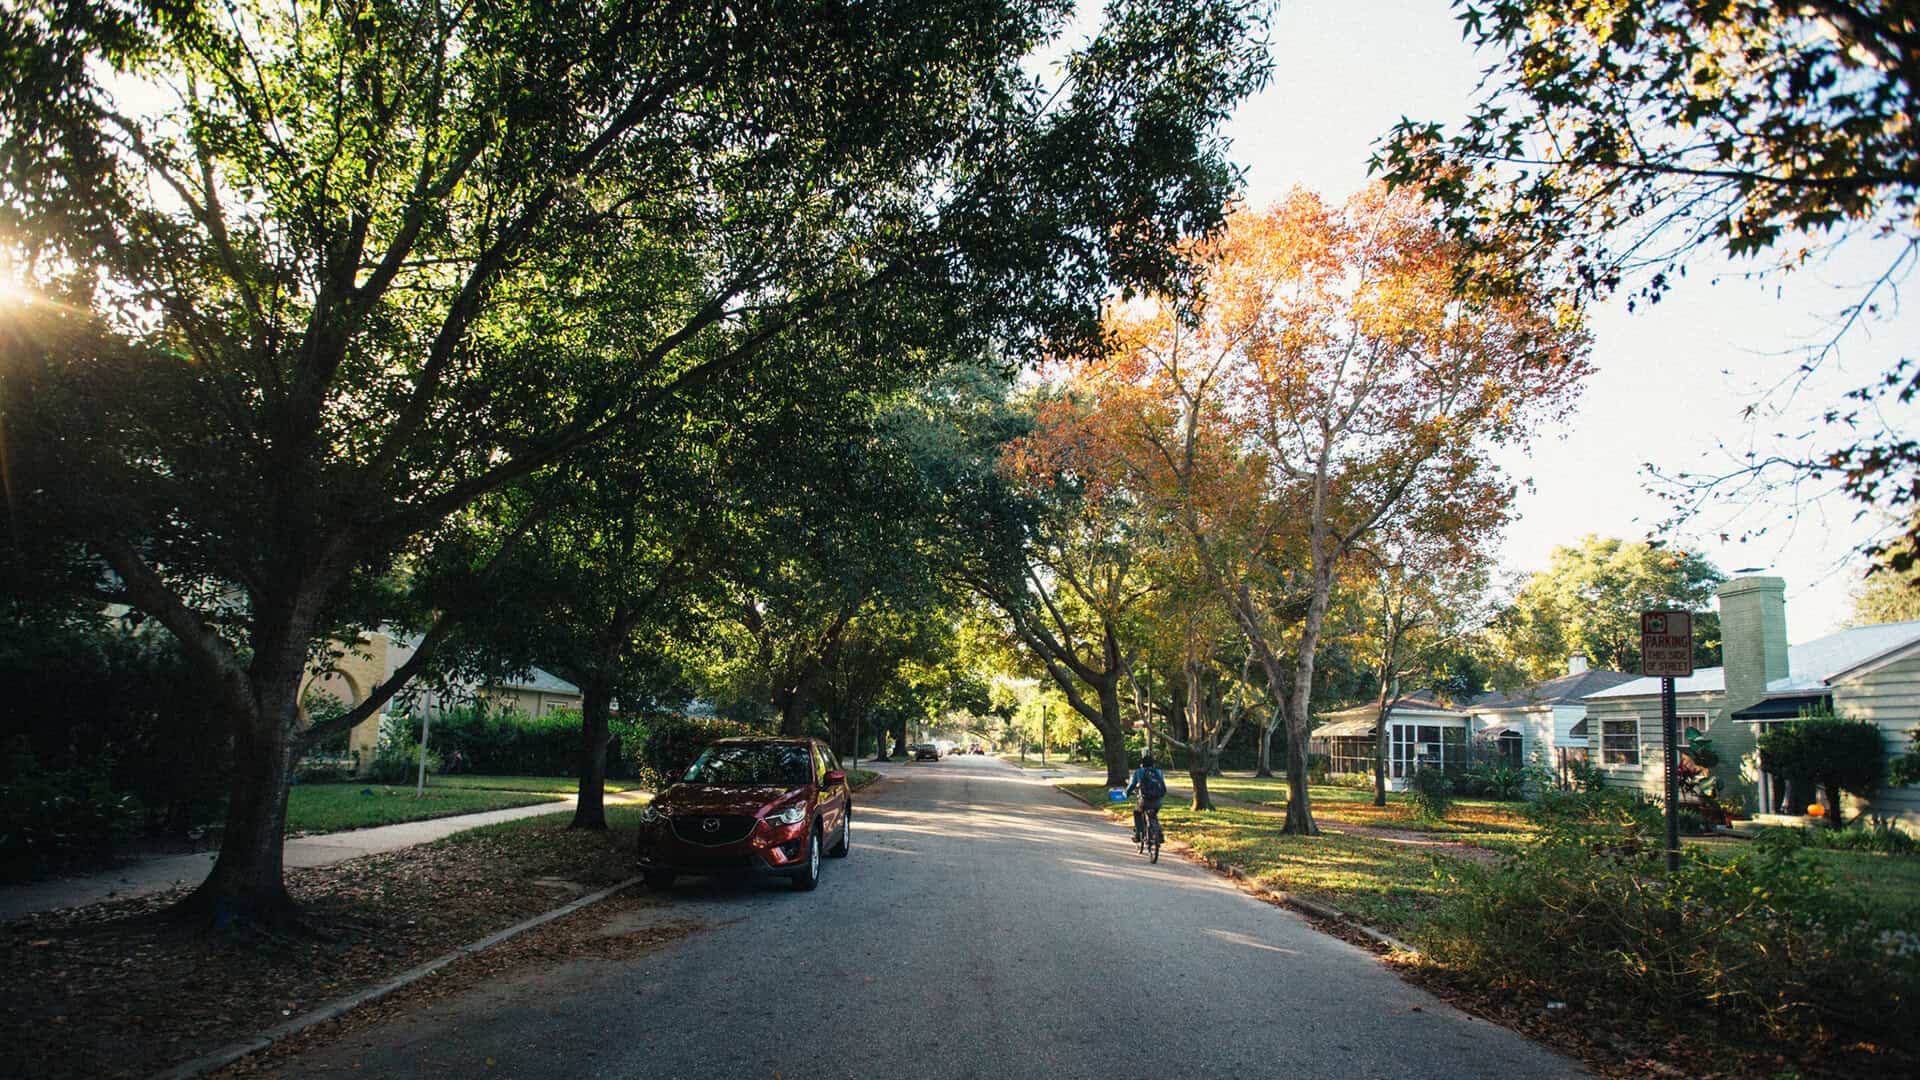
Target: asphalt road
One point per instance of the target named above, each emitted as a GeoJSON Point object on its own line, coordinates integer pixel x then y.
{"type": "Point", "coordinates": [985, 926]}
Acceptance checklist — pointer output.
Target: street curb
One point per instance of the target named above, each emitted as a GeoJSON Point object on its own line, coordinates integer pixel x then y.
{"type": "Point", "coordinates": [232, 1052]}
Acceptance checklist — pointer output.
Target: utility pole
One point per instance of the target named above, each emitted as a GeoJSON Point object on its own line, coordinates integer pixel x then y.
{"type": "Point", "coordinates": [1043, 734]}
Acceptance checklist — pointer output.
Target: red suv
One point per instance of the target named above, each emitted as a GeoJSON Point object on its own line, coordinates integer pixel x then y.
{"type": "Point", "coordinates": [770, 806]}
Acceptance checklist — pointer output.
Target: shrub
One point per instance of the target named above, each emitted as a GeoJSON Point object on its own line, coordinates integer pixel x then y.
{"type": "Point", "coordinates": [1088, 747]}
{"type": "Point", "coordinates": [1431, 793]}
{"type": "Point", "coordinates": [1615, 818]}
{"type": "Point", "coordinates": [477, 739]}
{"type": "Point", "coordinates": [1585, 776]}
{"type": "Point", "coordinates": [324, 770]}
{"type": "Point", "coordinates": [1824, 752]}
{"type": "Point", "coordinates": [672, 742]}
{"type": "Point", "coordinates": [84, 689]}
{"type": "Point", "coordinates": [1879, 837]}
{"type": "Point", "coordinates": [1905, 769]}
{"type": "Point", "coordinates": [1589, 910]}
{"type": "Point", "coordinates": [50, 820]}
{"type": "Point", "coordinates": [1494, 781]}
{"type": "Point", "coordinates": [397, 759]}
{"type": "Point", "coordinates": [1360, 781]}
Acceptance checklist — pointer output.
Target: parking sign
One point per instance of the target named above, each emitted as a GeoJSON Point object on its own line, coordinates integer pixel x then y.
{"type": "Point", "coordinates": [1666, 643]}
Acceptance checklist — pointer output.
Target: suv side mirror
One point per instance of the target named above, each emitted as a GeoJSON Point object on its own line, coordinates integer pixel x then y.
{"type": "Point", "coordinates": [833, 777]}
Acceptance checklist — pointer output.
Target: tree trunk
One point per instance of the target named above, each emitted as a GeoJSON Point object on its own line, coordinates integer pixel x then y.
{"type": "Point", "coordinates": [1201, 799]}
{"type": "Point", "coordinates": [1115, 753]}
{"type": "Point", "coordinates": [1380, 751]}
{"type": "Point", "coordinates": [837, 730]}
{"type": "Point", "coordinates": [900, 737]}
{"type": "Point", "coordinates": [792, 719]}
{"type": "Point", "coordinates": [247, 884]}
{"type": "Point", "coordinates": [1299, 719]}
{"type": "Point", "coordinates": [1264, 765]}
{"type": "Point", "coordinates": [1113, 731]}
{"type": "Point", "coordinates": [1299, 810]}
{"type": "Point", "coordinates": [591, 810]}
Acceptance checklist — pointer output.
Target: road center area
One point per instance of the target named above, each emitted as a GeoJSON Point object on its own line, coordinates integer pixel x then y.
{"type": "Point", "coordinates": [984, 926]}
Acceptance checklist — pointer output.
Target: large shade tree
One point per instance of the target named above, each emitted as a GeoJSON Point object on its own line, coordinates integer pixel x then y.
{"type": "Point", "coordinates": [315, 277]}
{"type": "Point", "coordinates": [1588, 601]}
{"type": "Point", "coordinates": [1335, 367]}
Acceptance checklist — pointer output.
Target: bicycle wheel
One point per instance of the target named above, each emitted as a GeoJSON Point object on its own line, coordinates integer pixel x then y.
{"type": "Point", "coordinates": [1153, 839]}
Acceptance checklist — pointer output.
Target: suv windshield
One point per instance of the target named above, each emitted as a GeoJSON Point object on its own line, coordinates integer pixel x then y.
{"type": "Point", "coordinates": [752, 766]}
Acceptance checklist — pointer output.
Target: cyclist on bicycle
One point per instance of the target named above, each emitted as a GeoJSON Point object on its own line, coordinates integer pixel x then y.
{"type": "Point", "coordinates": [1152, 786]}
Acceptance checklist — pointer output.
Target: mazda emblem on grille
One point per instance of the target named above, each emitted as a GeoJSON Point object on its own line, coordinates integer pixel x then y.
{"type": "Point", "coordinates": [712, 824]}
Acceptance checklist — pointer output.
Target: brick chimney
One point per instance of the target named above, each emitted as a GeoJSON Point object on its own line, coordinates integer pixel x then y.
{"type": "Point", "coordinates": [1753, 633]}
{"type": "Point", "coordinates": [1577, 664]}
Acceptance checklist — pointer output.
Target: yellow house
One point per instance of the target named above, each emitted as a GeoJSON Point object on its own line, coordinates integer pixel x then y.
{"type": "Point", "coordinates": [375, 657]}
{"type": "Point", "coordinates": [349, 679]}
{"type": "Point", "coordinates": [538, 694]}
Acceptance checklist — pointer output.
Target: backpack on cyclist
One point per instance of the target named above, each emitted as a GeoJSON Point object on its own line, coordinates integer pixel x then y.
{"type": "Point", "coordinates": [1153, 786]}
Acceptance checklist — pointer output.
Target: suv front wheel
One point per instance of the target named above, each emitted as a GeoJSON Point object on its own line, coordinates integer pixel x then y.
{"type": "Point", "coordinates": [808, 876]}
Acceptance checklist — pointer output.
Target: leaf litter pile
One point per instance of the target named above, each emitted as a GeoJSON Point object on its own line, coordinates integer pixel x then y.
{"type": "Point", "coordinates": [118, 989]}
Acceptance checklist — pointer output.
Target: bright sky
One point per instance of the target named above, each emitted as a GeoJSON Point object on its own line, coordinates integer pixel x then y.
{"type": "Point", "coordinates": [1672, 380]}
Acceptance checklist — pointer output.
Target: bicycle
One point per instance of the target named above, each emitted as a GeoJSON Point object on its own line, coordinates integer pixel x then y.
{"type": "Point", "coordinates": [1148, 838]}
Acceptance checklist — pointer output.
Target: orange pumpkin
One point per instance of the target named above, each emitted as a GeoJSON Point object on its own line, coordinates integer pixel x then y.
{"type": "Point", "coordinates": [1816, 811]}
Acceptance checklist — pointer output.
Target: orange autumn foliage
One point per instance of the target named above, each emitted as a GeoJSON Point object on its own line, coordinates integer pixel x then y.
{"type": "Point", "coordinates": [1334, 382]}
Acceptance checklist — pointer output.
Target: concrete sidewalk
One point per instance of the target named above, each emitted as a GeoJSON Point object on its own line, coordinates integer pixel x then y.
{"type": "Point", "coordinates": [148, 876]}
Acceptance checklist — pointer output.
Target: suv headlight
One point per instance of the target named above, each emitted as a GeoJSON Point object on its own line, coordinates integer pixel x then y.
{"type": "Point", "coordinates": [792, 815]}
{"type": "Point", "coordinates": [649, 814]}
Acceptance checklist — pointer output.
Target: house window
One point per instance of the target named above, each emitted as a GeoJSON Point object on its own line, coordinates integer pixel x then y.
{"type": "Point", "coordinates": [1698, 721]}
{"type": "Point", "coordinates": [1620, 741]}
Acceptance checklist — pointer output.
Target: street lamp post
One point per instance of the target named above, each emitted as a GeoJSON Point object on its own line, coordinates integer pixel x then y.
{"type": "Point", "coordinates": [1043, 734]}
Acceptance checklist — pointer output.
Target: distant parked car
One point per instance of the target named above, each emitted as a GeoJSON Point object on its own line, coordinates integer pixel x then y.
{"type": "Point", "coordinates": [978, 749]}
{"type": "Point", "coordinates": [925, 751]}
{"type": "Point", "coordinates": [769, 806]}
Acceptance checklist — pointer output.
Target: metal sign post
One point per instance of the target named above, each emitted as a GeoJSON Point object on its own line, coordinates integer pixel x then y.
{"type": "Point", "coordinates": [1666, 650]}
{"type": "Point", "coordinates": [1670, 768]}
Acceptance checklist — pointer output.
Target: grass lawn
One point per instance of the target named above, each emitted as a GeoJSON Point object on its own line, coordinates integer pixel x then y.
{"type": "Point", "coordinates": [859, 778]}
{"type": "Point", "coordinates": [322, 808]}
{"type": "Point", "coordinates": [551, 785]}
{"type": "Point", "coordinates": [1888, 883]}
{"type": "Point", "coordinates": [1384, 884]}
{"type": "Point", "coordinates": [1471, 820]}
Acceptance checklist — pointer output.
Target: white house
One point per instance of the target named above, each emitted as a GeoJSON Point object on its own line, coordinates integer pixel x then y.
{"type": "Point", "coordinates": [1420, 731]}
{"type": "Point", "coordinates": [1867, 673]}
{"type": "Point", "coordinates": [1545, 722]}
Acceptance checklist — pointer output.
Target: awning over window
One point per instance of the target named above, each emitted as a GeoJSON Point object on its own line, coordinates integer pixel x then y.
{"type": "Point", "coordinates": [1783, 706]}
{"type": "Point", "coordinates": [1578, 730]}
{"type": "Point", "coordinates": [1497, 730]}
{"type": "Point", "coordinates": [1344, 729]}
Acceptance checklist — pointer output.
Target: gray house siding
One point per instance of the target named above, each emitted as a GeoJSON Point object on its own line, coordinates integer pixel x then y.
{"type": "Point", "coordinates": [1645, 774]}
{"type": "Point", "coordinates": [1890, 697]}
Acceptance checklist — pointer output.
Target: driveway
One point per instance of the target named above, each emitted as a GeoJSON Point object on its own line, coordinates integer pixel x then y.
{"type": "Point", "coordinates": [985, 926]}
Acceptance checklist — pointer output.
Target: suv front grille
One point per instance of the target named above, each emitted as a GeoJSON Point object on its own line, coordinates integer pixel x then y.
{"type": "Point", "coordinates": [712, 830]}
